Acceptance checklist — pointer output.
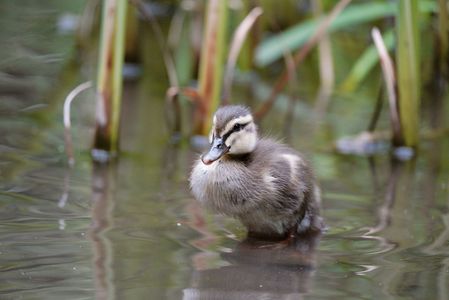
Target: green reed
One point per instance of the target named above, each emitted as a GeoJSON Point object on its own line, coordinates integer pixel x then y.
{"type": "Point", "coordinates": [212, 62]}
{"type": "Point", "coordinates": [109, 77]}
{"type": "Point", "coordinates": [408, 70]}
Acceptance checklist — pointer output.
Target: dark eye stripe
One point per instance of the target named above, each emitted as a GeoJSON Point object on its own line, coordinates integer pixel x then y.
{"type": "Point", "coordinates": [234, 129]}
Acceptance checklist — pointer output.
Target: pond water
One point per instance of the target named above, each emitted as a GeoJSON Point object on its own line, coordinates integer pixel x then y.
{"type": "Point", "coordinates": [131, 230]}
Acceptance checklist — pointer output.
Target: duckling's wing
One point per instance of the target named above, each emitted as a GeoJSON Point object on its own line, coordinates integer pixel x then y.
{"type": "Point", "coordinates": [289, 176]}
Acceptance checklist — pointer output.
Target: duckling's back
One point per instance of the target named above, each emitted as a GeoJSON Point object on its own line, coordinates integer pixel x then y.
{"type": "Point", "coordinates": [291, 198]}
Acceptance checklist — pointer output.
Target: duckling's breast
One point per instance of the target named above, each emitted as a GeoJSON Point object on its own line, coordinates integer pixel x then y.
{"type": "Point", "coordinates": [225, 187]}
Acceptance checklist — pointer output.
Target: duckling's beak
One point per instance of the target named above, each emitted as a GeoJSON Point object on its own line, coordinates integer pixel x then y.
{"type": "Point", "coordinates": [217, 150]}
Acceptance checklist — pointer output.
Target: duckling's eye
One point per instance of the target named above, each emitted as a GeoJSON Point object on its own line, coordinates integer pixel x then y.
{"type": "Point", "coordinates": [237, 127]}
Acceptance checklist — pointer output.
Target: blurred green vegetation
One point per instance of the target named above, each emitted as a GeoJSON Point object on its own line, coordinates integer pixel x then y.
{"type": "Point", "coordinates": [282, 28]}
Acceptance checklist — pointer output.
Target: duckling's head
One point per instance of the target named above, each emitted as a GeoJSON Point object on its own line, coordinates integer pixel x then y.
{"type": "Point", "coordinates": [233, 132]}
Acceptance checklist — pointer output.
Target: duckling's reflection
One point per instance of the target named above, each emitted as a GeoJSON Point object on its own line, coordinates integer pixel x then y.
{"type": "Point", "coordinates": [259, 270]}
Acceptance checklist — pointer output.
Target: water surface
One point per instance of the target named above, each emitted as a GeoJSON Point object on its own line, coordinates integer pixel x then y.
{"type": "Point", "coordinates": [132, 230]}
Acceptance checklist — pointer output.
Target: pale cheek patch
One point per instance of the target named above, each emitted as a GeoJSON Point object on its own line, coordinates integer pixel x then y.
{"type": "Point", "coordinates": [230, 140]}
{"type": "Point", "coordinates": [241, 142]}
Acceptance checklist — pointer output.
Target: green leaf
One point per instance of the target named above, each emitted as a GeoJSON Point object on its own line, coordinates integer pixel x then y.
{"type": "Point", "coordinates": [366, 63]}
{"type": "Point", "coordinates": [184, 55]}
{"type": "Point", "coordinates": [274, 47]}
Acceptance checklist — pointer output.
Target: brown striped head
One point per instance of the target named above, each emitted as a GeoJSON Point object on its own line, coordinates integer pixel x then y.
{"type": "Point", "coordinates": [233, 131]}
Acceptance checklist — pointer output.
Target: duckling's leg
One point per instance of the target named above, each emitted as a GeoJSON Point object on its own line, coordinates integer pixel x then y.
{"type": "Point", "coordinates": [305, 223]}
{"type": "Point", "coordinates": [310, 222]}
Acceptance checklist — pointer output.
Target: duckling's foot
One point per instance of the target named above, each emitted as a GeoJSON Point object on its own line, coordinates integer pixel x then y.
{"type": "Point", "coordinates": [310, 223]}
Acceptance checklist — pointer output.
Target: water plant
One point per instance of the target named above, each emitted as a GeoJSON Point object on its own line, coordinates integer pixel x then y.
{"type": "Point", "coordinates": [443, 37]}
{"type": "Point", "coordinates": [215, 76]}
{"type": "Point", "coordinates": [211, 63]}
{"type": "Point", "coordinates": [109, 79]}
{"type": "Point", "coordinates": [390, 83]}
{"type": "Point", "coordinates": [214, 87]}
{"type": "Point", "coordinates": [408, 70]}
{"type": "Point", "coordinates": [317, 34]}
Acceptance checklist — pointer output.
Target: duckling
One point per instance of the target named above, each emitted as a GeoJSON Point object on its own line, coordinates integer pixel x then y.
{"type": "Point", "coordinates": [268, 186]}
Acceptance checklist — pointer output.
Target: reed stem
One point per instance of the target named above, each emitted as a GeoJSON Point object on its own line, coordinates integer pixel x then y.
{"type": "Point", "coordinates": [109, 80]}
{"type": "Point", "coordinates": [443, 35]}
{"type": "Point", "coordinates": [408, 70]}
{"type": "Point", "coordinates": [212, 62]}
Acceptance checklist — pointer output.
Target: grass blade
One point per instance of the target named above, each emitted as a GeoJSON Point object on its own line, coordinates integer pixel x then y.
{"type": "Point", "coordinates": [366, 63]}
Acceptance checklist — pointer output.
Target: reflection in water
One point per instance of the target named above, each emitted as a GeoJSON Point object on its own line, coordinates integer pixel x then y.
{"type": "Point", "coordinates": [103, 185]}
{"type": "Point", "coordinates": [141, 245]}
{"type": "Point", "coordinates": [384, 210]}
{"type": "Point", "coordinates": [398, 217]}
{"type": "Point", "coordinates": [259, 270]}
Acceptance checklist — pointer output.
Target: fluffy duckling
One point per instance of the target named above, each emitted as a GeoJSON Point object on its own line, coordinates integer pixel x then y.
{"type": "Point", "coordinates": [268, 186]}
